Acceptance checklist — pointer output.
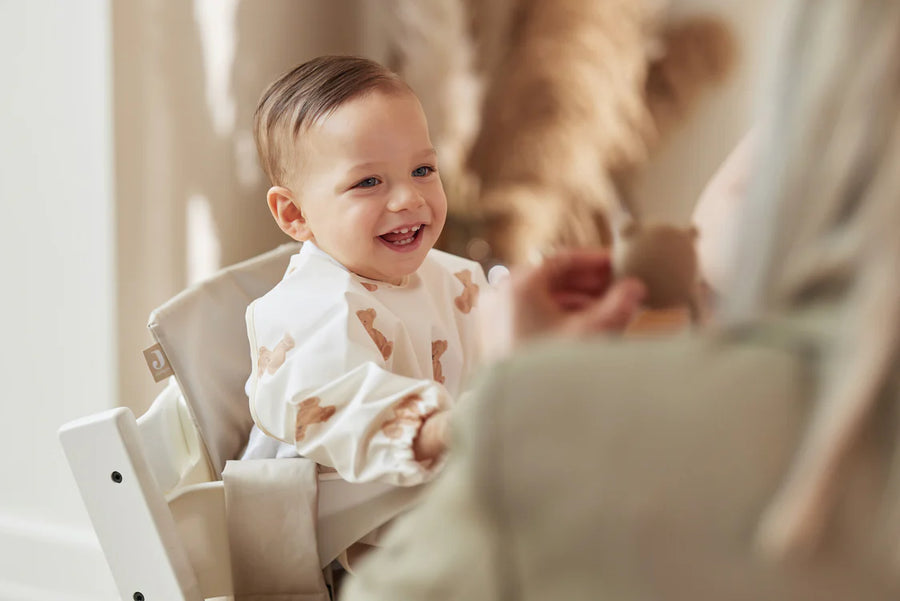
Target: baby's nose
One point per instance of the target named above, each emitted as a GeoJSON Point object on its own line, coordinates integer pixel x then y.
{"type": "Point", "coordinates": [405, 198]}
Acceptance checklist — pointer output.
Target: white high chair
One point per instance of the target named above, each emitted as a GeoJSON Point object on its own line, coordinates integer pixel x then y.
{"type": "Point", "coordinates": [152, 486]}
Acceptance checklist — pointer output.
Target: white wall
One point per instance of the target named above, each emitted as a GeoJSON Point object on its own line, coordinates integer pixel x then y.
{"type": "Point", "coordinates": [56, 256]}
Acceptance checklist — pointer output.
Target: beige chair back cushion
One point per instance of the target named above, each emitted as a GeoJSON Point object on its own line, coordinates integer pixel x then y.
{"type": "Point", "coordinates": [203, 333]}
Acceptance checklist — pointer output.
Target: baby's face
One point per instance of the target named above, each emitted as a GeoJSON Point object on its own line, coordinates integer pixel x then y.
{"type": "Point", "coordinates": [369, 188]}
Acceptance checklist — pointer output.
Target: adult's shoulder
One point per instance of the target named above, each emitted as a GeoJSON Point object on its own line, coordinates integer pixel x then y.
{"type": "Point", "coordinates": [652, 458]}
{"type": "Point", "coordinates": [616, 374]}
{"type": "Point", "coordinates": [635, 402]}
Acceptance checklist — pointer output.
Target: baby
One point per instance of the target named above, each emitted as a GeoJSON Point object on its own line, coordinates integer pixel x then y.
{"type": "Point", "coordinates": [366, 342]}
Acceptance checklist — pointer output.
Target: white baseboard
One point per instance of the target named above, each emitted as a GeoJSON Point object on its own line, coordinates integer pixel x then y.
{"type": "Point", "coordinates": [40, 562]}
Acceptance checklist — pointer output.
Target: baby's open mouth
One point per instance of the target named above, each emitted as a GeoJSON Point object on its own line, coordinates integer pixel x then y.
{"type": "Point", "coordinates": [403, 236]}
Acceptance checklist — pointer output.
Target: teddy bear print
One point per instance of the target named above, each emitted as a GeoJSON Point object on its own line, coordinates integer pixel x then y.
{"type": "Point", "coordinates": [271, 360]}
{"type": "Point", "coordinates": [469, 296]}
{"type": "Point", "coordinates": [406, 413]}
{"type": "Point", "coordinates": [369, 287]}
{"type": "Point", "coordinates": [311, 413]}
{"type": "Point", "coordinates": [438, 347]}
{"type": "Point", "coordinates": [367, 317]}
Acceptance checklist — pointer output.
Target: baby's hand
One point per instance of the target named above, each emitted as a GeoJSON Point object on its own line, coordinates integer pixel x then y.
{"type": "Point", "coordinates": [431, 441]}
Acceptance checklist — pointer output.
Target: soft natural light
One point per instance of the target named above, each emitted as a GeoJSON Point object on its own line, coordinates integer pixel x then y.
{"type": "Point", "coordinates": [204, 252]}
{"type": "Point", "coordinates": [215, 21]}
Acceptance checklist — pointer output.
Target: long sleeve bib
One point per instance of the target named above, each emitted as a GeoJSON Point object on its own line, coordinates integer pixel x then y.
{"type": "Point", "coordinates": [347, 368]}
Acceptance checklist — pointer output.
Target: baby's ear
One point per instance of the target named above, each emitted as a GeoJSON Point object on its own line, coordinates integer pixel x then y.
{"type": "Point", "coordinates": [287, 213]}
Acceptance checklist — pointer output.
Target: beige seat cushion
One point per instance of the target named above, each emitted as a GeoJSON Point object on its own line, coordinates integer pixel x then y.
{"type": "Point", "coordinates": [203, 333]}
{"type": "Point", "coordinates": [274, 500]}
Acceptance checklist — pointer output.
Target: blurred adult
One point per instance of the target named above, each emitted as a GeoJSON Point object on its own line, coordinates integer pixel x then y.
{"type": "Point", "coordinates": [755, 462]}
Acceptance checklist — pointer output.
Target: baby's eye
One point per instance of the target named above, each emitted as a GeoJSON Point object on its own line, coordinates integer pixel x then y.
{"type": "Point", "coordinates": [423, 171]}
{"type": "Point", "coordinates": [367, 183]}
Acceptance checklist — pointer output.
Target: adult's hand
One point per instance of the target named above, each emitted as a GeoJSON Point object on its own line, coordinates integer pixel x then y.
{"type": "Point", "coordinates": [571, 293]}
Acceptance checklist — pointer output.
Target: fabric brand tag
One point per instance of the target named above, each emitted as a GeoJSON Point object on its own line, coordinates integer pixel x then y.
{"type": "Point", "coordinates": [158, 363]}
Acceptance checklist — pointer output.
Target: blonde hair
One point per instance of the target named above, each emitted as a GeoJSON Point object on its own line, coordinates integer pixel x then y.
{"type": "Point", "coordinates": [822, 227]}
{"type": "Point", "coordinates": [306, 93]}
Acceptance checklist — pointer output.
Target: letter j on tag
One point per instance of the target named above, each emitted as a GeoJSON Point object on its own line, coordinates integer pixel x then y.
{"type": "Point", "coordinates": [158, 363]}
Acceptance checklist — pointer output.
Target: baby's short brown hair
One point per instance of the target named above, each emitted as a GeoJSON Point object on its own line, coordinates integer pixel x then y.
{"type": "Point", "coordinates": [303, 95]}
